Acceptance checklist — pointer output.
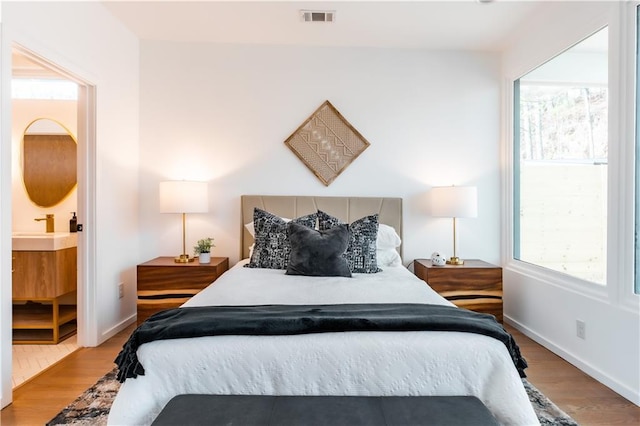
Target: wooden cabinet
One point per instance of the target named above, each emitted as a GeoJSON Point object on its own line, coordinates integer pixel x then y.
{"type": "Point", "coordinates": [44, 284]}
{"type": "Point", "coordinates": [476, 285]}
{"type": "Point", "coordinates": [44, 274]}
{"type": "Point", "coordinates": [165, 284]}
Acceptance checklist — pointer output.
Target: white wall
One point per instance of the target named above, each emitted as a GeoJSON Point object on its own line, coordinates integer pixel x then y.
{"type": "Point", "coordinates": [84, 39]}
{"type": "Point", "coordinates": [545, 305]}
{"type": "Point", "coordinates": [24, 211]}
{"type": "Point", "coordinates": [221, 113]}
{"type": "Point", "coordinates": [5, 231]}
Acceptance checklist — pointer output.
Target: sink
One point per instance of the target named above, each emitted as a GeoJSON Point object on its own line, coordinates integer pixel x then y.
{"type": "Point", "coordinates": [43, 241]}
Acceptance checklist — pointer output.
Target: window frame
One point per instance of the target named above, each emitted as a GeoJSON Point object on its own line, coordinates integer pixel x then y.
{"type": "Point", "coordinates": [620, 278]}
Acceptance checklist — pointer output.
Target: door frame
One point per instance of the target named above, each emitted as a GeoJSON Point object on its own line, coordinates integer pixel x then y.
{"type": "Point", "coordinates": [86, 190]}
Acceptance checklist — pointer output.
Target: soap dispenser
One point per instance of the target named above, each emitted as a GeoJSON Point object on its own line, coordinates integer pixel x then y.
{"type": "Point", "coordinates": [73, 223]}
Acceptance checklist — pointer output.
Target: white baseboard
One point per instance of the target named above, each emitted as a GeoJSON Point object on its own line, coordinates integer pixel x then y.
{"type": "Point", "coordinates": [587, 368]}
{"type": "Point", "coordinates": [118, 328]}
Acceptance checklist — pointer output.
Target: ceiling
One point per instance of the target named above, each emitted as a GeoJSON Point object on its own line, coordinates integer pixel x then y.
{"type": "Point", "coordinates": [481, 25]}
{"type": "Point", "coordinates": [478, 25]}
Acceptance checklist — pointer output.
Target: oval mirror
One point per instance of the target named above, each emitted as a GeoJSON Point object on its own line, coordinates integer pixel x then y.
{"type": "Point", "coordinates": [49, 161]}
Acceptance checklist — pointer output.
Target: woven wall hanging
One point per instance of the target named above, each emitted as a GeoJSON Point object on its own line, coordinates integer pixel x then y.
{"type": "Point", "coordinates": [326, 143]}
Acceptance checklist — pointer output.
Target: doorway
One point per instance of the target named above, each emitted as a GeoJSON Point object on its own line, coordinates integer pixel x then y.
{"type": "Point", "coordinates": [47, 96]}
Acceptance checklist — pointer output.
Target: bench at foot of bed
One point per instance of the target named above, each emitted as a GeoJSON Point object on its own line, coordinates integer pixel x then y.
{"type": "Point", "coordinates": [216, 410]}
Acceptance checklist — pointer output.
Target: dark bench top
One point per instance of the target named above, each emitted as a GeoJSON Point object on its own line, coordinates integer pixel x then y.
{"type": "Point", "coordinates": [249, 410]}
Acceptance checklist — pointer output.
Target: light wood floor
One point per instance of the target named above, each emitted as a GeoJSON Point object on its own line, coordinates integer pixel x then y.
{"type": "Point", "coordinates": [585, 399]}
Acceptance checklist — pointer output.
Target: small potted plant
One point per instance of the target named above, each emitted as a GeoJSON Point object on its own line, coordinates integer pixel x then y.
{"type": "Point", "coordinates": [203, 249]}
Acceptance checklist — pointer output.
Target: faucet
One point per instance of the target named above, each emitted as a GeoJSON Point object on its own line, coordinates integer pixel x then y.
{"type": "Point", "coordinates": [49, 219]}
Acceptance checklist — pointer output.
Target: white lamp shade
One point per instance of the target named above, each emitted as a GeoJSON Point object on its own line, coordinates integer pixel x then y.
{"type": "Point", "coordinates": [184, 196]}
{"type": "Point", "coordinates": [454, 201]}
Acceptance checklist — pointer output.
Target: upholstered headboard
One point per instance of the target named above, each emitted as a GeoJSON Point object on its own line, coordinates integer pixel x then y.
{"type": "Point", "coordinates": [347, 209]}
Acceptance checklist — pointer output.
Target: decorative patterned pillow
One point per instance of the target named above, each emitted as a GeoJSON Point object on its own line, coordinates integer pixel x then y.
{"type": "Point", "coordinates": [361, 252]}
{"type": "Point", "coordinates": [318, 253]}
{"type": "Point", "coordinates": [272, 247]}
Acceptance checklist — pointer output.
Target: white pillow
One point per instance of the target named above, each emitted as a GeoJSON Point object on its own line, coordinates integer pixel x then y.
{"type": "Point", "coordinates": [388, 238]}
{"type": "Point", "coordinates": [388, 257]}
{"type": "Point", "coordinates": [251, 229]}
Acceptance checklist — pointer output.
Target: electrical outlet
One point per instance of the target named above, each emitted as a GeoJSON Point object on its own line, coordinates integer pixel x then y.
{"type": "Point", "coordinates": [120, 290]}
{"type": "Point", "coordinates": [581, 331]}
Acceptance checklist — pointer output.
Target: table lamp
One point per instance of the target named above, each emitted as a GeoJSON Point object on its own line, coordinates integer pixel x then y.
{"type": "Point", "coordinates": [183, 197]}
{"type": "Point", "coordinates": [454, 202]}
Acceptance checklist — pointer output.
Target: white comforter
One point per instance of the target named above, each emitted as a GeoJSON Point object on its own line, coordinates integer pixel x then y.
{"type": "Point", "coordinates": [350, 363]}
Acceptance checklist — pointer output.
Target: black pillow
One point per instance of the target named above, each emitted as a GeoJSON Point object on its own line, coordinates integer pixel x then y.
{"type": "Point", "coordinates": [361, 252]}
{"type": "Point", "coordinates": [272, 247]}
{"type": "Point", "coordinates": [318, 253]}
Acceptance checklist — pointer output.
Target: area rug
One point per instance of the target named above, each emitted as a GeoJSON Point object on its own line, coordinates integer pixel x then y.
{"type": "Point", "coordinates": [92, 407]}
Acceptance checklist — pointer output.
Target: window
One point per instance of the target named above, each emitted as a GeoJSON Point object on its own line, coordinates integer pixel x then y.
{"type": "Point", "coordinates": [30, 88]}
{"type": "Point", "coordinates": [637, 226]}
{"type": "Point", "coordinates": [561, 149]}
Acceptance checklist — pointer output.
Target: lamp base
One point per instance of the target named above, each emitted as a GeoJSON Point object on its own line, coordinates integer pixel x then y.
{"type": "Point", "coordinates": [455, 261]}
{"type": "Point", "coordinates": [184, 258]}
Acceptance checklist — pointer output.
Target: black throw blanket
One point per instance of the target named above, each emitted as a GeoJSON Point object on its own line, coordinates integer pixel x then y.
{"type": "Point", "coordinates": [272, 320]}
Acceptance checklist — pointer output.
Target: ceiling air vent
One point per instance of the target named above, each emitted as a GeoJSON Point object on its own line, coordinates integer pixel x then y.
{"type": "Point", "coordinates": [318, 15]}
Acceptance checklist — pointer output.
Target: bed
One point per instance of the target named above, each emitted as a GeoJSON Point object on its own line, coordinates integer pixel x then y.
{"type": "Point", "coordinates": [356, 363]}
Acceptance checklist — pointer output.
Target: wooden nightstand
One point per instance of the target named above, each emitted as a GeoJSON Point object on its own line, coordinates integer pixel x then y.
{"type": "Point", "coordinates": [165, 284]}
{"type": "Point", "coordinates": [476, 285]}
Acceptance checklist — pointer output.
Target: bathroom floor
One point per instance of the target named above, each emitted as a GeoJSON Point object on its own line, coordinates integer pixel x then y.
{"type": "Point", "coordinates": [29, 360]}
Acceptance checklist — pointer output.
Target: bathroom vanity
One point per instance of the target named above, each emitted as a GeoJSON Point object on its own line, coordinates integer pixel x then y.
{"type": "Point", "coordinates": [44, 287]}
